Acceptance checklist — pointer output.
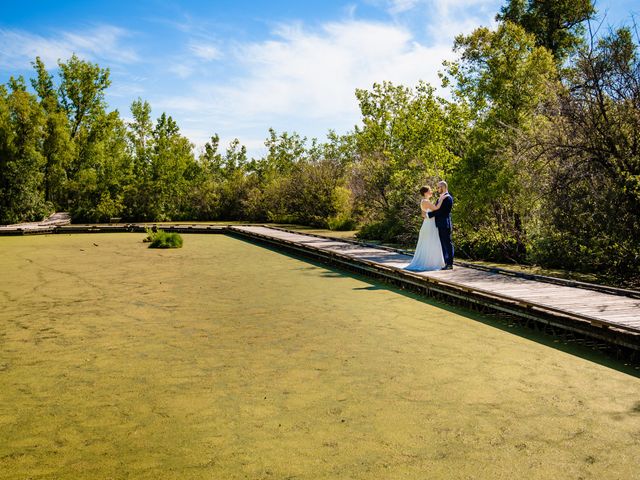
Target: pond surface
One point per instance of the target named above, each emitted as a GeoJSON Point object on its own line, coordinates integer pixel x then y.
{"type": "Point", "coordinates": [227, 360]}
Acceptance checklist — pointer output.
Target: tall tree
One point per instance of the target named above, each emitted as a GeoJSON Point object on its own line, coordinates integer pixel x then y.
{"type": "Point", "coordinates": [82, 90]}
{"type": "Point", "coordinates": [503, 77]}
{"type": "Point", "coordinates": [556, 24]}
{"type": "Point", "coordinates": [589, 141]}
{"type": "Point", "coordinates": [404, 143]}
{"type": "Point", "coordinates": [57, 147]}
{"type": "Point", "coordinates": [211, 159]}
{"type": "Point", "coordinates": [140, 134]}
{"type": "Point", "coordinates": [21, 120]}
{"type": "Point", "coordinates": [171, 161]}
{"type": "Point", "coordinates": [284, 150]}
{"type": "Point", "coordinates": [44, 87]}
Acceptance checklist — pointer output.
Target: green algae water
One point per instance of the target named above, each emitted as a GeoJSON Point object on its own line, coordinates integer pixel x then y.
{"type": "Point", "coordinates": [226, 360]}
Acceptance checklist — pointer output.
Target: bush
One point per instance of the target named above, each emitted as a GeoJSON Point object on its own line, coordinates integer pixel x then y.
{"type": "Point", "coordinates": [162, 239]}
{"type": "Point", "coordinates": [388, 231]}
{"type": "Point", "coordinates": [342, 204]}
{"type": "Point", "coordinates": [341, 224]}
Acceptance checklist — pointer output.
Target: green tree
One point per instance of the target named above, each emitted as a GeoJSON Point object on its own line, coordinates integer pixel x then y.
{"type": "Point", "coordinates": [404, 143]}
{"type": "Point", "coordinates": [21, 161]}
{"type": "Point", "coordinates": [81, 91]}
{"type": "Point", "coordinates": [98, 188]}
{"type": "Point", "coordinates": [316, 190]}
{"type": "Point", "coordinates": [556, 24]}
{"type": "Point", "coordinates": [205, 191]}
{"type": "Point", "coordinates": [140, 135]}
{"type": "Point", "coordinates": [235, 184]}
{"type": "Point", "coordinates": [94, 133]}
{"type": "Point", "coordinates": [44, 87]}
{"type": "Point", "coordinates": [588, 142]}
{"type": "Point", "coordinates": [211, 160]}
{"type": "Point", "coordinates": [502, 78]}
{"type": "Point", "coordinates": [269, 195]}
{"type": "Point", "coordinates": [172, 162]}
{"type": "Point", "coordinates": [57, 147]}
{"type": "Point", "coordinates": [284, 151]}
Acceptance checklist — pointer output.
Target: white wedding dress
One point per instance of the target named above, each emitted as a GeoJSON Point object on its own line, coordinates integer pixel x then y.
{"type": "Point", "coordinates": [428, 254]}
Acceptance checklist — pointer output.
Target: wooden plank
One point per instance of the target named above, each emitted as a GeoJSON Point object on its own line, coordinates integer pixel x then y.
{"type": "Point", "coordinates": [607, 308]}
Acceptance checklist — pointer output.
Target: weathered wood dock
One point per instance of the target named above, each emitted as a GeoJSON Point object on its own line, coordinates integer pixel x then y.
{"type": "Point", "coordinates": [46, 229]}
{"type": "Point", "coordinates": [606, 314]}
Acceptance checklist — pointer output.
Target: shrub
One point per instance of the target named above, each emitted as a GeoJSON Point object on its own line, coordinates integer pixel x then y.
{"type": "Point", "coordinates": [162, 239]}
{"type": "Point", "coordinates": [388, 231]}
{"type": "Point", "coordinates": [343, 207]}
{"type": "Point", "coordinates": [341, 223]}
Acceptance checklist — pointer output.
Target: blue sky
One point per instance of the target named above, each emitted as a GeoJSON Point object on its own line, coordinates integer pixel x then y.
{"type": "Point", "coordinates": [239, 67]}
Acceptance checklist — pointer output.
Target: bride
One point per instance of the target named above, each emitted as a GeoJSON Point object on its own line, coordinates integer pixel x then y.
{"type": "Point", "coordinates": [428, 254]}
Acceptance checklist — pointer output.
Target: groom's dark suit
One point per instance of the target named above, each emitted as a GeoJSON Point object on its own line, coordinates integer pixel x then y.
{"type": "Point", "coordinates": [443, 222]}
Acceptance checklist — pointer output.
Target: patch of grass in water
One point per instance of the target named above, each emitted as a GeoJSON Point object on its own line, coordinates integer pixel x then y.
{"type": "Point", "coordinates": [162, 239]}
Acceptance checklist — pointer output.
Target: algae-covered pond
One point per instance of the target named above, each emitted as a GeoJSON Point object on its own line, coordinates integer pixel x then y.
{"type": "Point", "coordinates": [225, 360]}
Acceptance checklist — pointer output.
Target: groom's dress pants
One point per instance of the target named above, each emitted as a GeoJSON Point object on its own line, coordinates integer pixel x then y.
{"type": "Point", "coordinates": [447, 245]}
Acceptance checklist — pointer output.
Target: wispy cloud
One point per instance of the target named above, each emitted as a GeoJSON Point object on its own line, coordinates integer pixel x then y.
{"type": "Point", "coordinates": [304, 79]}
{"type": "Point", "coordinates": [182, 70]}
{"type": "Point", "coordinates": [126, 90]}
{"type": "Point", "coordinates": [205, 51]}
{"type": "Point", "coordinates": [442, 20]}
{"type": "Point", "coordinates": [194, 59]}
{"type": "Point", "coordinates": [399, 6]}
{"type": "Point", "coordinates": [462, 7]}
{"type": "Point", "coordinates": [453, 17]}
{"type": "Point", "coordinates": [316, 72]}
{"type": "Point", "coordinates": [104, 42]}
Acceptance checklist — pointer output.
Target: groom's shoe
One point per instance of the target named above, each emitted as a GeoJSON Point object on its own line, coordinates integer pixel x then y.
{"type": "Point", "coordinates": [447, 267]}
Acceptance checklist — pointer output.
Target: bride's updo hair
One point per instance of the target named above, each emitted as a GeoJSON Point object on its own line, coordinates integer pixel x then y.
{"type": "Point", "coordinates": [424, 189]}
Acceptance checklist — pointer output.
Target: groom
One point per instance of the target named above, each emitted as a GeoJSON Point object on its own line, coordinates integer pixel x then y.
{"type": "Point", "coordinates": [443, 222]}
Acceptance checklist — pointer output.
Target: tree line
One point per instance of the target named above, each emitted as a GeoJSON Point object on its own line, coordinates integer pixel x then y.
{"type": "Point", "coordinates": [538, 139]}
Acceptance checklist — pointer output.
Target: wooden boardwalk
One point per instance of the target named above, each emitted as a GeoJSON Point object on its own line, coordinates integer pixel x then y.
{"type": "Point", "coordinates": [598, 314]}
{"type": "Point", "coordinates": [56, 220]}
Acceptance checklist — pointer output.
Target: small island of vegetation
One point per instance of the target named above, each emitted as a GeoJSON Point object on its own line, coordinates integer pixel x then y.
{"type": "Point", "coordinates": [162, 239]}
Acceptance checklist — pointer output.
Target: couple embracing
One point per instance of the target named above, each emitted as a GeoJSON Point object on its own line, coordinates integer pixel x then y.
{"type": "Point", "coordinates": [435, 248]}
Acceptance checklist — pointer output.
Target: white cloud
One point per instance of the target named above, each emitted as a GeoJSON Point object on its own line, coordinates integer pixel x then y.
{"type": "Point", "coordinates": [18, 48]}
{"type": "Point", "coordinates": [126, 90]}
{"type": "Point", "coordinates": [303, 80]}
{"type": "Point", "coordinates": [185, 104]}
{"type": "Point", "coordinates": [182, 70]}
{"type": "Point", "coordinates": [205, 52]}
{"type": "Point", "coordinates": [102, 42]}
{"type": "Point", "coordinates": [399, 6]}
{"type": "Point", "coordinates": [449, 18]}
{"type": "Point", "coordinates": [444, 18]}
{"type": "Point", "coordinates": [193, 61]}
{"type": "Point", "coordinates": [314, 74]}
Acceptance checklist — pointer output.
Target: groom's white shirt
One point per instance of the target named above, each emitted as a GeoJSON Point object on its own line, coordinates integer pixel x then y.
{"type": "Point", "coordinates": [441, 197]}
